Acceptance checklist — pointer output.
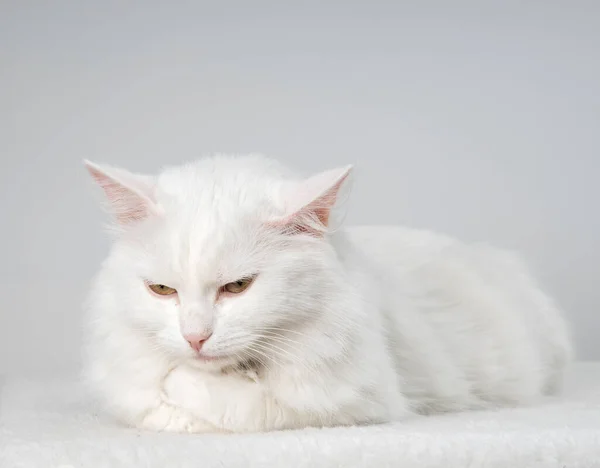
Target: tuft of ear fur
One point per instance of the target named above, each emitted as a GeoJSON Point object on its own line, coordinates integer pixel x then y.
{"type": "Point", "coordinates": [129, 196]}
{"type": "Point", "coordinates": [312, 202]}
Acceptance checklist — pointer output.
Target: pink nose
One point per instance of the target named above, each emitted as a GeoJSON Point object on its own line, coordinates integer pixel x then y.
{"type": "Point", "coordinates": [196, 340]}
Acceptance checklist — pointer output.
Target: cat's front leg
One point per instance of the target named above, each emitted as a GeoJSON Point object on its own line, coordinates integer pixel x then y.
{"type": "Point", "coordinates": [166, 415]}
{"type": "Point", "coordinates": [135, 397]}
{"type": "Point", "coordinates": [230, 402]}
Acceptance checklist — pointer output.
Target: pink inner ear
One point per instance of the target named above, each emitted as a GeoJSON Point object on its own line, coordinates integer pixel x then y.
{"type": "Point", "coordinates": [127, 205]}
{"type": "Point", "coordinates": [291, 225]}
{"type": "Point", "coordinates": [313, 218]}
{"type": "Point", "coordinates": [321, 208]}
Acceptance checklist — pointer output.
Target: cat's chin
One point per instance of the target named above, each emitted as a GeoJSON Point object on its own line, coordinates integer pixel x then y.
{"type": "Point", "coordinates": [211, 363]}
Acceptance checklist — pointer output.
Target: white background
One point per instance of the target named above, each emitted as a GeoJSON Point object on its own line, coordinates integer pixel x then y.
{"type": "Point", "coordinates": [480, 121]}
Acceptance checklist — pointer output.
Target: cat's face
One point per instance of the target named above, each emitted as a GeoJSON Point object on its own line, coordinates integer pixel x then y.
{"type": "Point", "coordinates": [212, 265]}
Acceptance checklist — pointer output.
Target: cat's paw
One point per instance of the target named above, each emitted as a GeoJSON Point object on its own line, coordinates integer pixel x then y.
{"type": "Point", "coordinates": [168, 418]}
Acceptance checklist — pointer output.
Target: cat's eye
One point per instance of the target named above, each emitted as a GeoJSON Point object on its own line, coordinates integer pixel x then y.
{"type": "Point", "coordinates": [238, 286]}
{"type": "Point", "coordinates": [161, 289]}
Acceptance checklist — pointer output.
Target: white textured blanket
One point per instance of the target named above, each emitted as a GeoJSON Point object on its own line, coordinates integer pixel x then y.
{"type": "Point", "coordinates": [51, 424]}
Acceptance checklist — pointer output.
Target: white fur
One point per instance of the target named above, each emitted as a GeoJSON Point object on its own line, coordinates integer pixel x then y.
{"type": "Point", "coordinates": [362, 326]}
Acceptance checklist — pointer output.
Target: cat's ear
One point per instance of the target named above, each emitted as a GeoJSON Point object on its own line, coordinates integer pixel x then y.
{"type": "Point", "coordinates": [311, 202]}
{"type": "Point", "coordinates": [129, 196]}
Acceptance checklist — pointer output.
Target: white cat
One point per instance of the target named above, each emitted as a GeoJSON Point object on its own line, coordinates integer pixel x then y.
{"type": "Point", "coordinates": [230, 303]}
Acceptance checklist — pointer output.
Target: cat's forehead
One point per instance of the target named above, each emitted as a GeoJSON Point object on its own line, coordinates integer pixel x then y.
{"type": "Point", "coordinates": [223, 185]}
{"type": "Point", "coordinates": [203, 244]}
{"type": "Point", "coordinates": [213, 215]}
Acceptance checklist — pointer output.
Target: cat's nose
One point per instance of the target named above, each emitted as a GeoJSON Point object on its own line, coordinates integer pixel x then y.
{"type": "Point", "coordinates": [196, 340]}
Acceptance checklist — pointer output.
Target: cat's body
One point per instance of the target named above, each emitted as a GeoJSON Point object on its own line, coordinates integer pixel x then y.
{"type": "Point", "coordinates": [364, 326]}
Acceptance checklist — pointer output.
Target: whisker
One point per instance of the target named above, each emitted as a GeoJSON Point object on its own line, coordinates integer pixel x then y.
{"type": "Point", "coordinates": [279, 352]}
{"type": "Point", "coordinates": [263, 354]}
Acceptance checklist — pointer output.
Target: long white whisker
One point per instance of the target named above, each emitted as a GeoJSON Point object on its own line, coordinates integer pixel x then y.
{"type": "Point", "coordinates": [263, 354]}
{"type": "Point", "coordinates": [281, 353]}
{"type": "Point", "coordinates": [297, 345]}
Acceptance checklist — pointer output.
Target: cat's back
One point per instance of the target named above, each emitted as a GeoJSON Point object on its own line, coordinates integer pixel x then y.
{"type": "Point", "coordinates": [398, 246]}
{"type": "Point", "coordinates": [422, 254]}
{"type": "Point", "coordinates": [481, 303]}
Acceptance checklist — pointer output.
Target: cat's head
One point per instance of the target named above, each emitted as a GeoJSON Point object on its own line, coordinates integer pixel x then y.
{"type": "Point", "coordinates": [216, 259]}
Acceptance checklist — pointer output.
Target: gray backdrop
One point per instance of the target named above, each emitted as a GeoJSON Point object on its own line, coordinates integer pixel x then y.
{"type": "Point", "coordinates": [480, 121]}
